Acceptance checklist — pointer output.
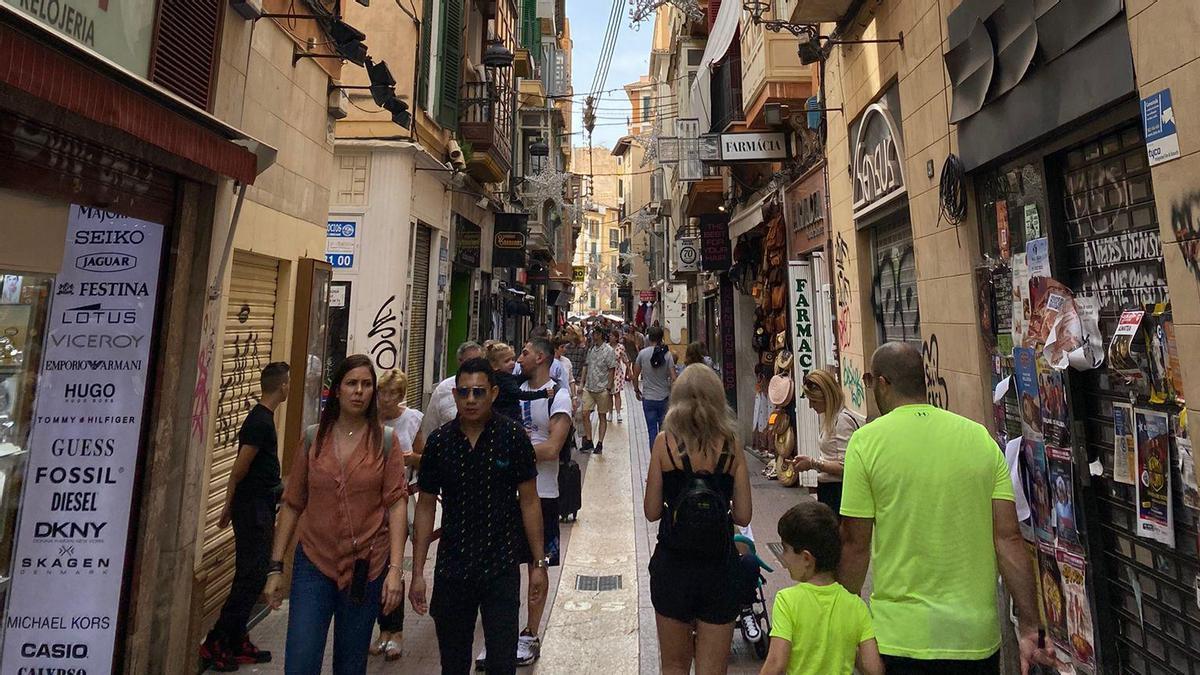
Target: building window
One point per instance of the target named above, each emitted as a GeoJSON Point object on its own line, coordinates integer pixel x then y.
{"type": "Point", "coordinates": [645, 108]}
{"type": "Point", "coordinates": [593, 301]}
{"type": "Point", "coordinates": [594, 229]}
{"type": "Point", "coordinates": [352, 180]}
{"type": "Point", "coordinates": [614, 238]}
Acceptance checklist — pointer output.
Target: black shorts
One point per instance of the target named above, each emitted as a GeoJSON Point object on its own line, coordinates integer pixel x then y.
{"type": "Point", "coordinates": [550, 532]}
{"type": "Point", "coordinates": [899, 665]}
{"type": "Point", "coordinates": [689, 590]}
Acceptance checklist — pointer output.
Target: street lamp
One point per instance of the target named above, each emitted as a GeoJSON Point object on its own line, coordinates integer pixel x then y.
{"type": "Point", "coordinates": [497, 56]}
{"type": "Point", "coordinates": [810, 49]}
{"type": "Point", "coordinates": [539, 150]}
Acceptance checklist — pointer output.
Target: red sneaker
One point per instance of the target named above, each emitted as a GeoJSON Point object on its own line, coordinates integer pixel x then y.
{"type": "Point", "coordinates": [248, 653]}
{"type": "Point", "coordinates": [215, 656]}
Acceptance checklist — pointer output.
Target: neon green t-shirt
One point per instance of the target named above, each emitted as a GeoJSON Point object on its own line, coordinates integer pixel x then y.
{"type": "Point", "coordinates": [824, 624]}
{"type": "Point", "coordinates": [928, 478]}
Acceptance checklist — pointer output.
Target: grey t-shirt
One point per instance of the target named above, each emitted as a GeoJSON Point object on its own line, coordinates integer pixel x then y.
{"type": "Point", "coordinates": [656, 382]}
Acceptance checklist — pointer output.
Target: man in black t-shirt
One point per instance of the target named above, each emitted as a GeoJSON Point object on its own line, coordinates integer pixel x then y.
{"type": "Point", "coordinates": [254, 488]}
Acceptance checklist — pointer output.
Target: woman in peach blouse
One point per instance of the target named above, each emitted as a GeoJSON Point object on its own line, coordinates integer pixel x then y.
{"type": "Point", "coordinates": [347, 495]}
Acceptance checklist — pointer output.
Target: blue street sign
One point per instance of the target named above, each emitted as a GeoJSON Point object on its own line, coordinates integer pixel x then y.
{"type": "Point", "coordinates": [340, 260]}
{"type": "Point", "coordinates": [341, 228]}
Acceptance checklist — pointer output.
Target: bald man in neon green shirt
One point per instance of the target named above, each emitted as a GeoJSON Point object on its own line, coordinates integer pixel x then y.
{"type": "Point", "coordinates": [927, 497]}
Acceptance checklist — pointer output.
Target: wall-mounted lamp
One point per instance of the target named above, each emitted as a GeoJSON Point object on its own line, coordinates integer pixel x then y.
{"type": "Point", "coordinates": [497, 55]}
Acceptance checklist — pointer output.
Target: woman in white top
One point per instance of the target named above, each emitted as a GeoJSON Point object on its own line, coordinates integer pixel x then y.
{"type": "Point", "coordinates": [825, 396]}
{"type": "Point", "coordinates": [393, 388]}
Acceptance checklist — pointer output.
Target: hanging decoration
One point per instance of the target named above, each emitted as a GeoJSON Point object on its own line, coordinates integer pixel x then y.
{"type": "Point", "coordinates": [545, 185]}
{"type": "Point", "coordinates": [642, 220]}
{"type": "Point", "coordinates": [640, 10]}
{"type": "Point", "coordinates": [575, 212]}
{"type": "Point", "coordinates": [649, 142]}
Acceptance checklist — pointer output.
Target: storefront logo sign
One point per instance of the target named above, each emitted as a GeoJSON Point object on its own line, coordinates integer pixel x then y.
{"type": "Point", "coordinates": [878, 161]}
{"type": "Point", "coordinates": [510, 240]}
{"type": "Point", "coordinates": [106, 262]}
{"type": "Point", "coordinates": [754, 147]}
{"type": "Point", "coordinates": [121, 31]}
{"type": "Point", "coordinates": [1158, 121]}
{"type": "Point", "coordinates": [64, 535]}
{"type": "Point", "coordinates": [717, 253]}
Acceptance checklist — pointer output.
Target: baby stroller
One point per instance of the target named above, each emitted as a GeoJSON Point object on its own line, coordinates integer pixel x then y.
{"type": "Point", "coordinates": [753, 621]}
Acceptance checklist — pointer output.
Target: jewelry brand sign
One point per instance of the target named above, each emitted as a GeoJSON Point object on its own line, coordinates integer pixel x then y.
{"type": "Point", "coordinates": [69, 560]}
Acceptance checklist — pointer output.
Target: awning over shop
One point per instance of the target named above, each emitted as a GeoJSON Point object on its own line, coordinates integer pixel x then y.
{"type": "Point", "coordinates": [720, 36]}
{"type": "Point", "coordinates": [36, 61]}
{"type": "Point", "coordinates": [820, 11]}
{"type": "Point", "coordinates": [748, 218]}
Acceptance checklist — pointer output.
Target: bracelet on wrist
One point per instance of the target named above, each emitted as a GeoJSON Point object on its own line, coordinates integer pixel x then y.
{"type": "Point", "coordinates": [275, 567]}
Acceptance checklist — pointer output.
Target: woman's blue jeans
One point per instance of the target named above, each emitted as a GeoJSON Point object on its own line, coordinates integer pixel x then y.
{"type": "Point", "coordinates": [314, 601]}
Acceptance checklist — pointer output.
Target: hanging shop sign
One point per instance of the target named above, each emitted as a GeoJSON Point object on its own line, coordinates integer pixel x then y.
{"type": "Point", "coordinates": [120, 31]}
{"type": "Point", "coordinates": [579, 274]}
{"type": "Point", "coordinates": [878, 159]}
{"type": "Point", "coordinates": [468, 243]}
{"type": "Point", "coordinates": [1158, 123]}
{"type": "Point", "coordinates": [768, 146]}
{"type": "Point", "coordinates": [508, 243]}
{"type": "Point", "coordinates": [717, 251]}
{"type": "Point", "coordinates": [804, 346]}
{"type": "Point", "coordinates": [70, 554]}
{"type": "Point", "coordinates": [804, 210]}
{"type": "Point", "coordinates": [687, 255]}
{"type": "Point", "coordinates": [648, 296]}
{"type": "Point", "coordinates": [341, 244]}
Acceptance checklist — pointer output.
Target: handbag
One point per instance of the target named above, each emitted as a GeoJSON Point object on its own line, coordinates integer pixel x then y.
{"type": "Point", "coordinates": [781, 389]}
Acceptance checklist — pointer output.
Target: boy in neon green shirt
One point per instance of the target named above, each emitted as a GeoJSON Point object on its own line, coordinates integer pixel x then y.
{"type": "Point", "coordinates": [818, 627]}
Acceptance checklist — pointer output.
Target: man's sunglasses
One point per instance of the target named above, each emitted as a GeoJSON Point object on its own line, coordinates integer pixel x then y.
{"type": "Point", "coordinates": [869, 379]}
{"type": "Point", "coordinates": [468, 392]}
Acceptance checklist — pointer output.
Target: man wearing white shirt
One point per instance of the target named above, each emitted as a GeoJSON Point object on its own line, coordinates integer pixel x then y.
{"type": "Point", "coordinates": [442, 407]}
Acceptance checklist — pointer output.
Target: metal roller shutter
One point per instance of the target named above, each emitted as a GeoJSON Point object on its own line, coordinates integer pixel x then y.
{"type": "Point", "coordinates": [246, 349]}
{"type": "Point", "coordinates": [894, 284]}
{"type": "Point", "coordinates": [419, 318]}
{"type": "Point", "coordinates": [1109, 206]}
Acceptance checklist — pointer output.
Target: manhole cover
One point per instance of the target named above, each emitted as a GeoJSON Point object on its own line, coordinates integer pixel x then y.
{"type": "Point", "coordinates": [590, 583]}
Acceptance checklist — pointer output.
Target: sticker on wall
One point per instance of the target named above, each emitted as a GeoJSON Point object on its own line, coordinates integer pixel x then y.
{"type": "Point", "coordinates": [1002, 233]}
{"type": "Point", "coordinates": [1158, 123]}
{"type": "Point", "coordinates": [1166, 377]}
{"type": "Point", "coordinates": [1124, 445]}
{"type": "Point", "coordinates": [1033, 223]}
{"type": "Point", "coordinates": [1020, 299]}
{"type": "Point", "coordinates": [1121, 357]}
{"type": "Point", "coordinates": [1037, 256]}
{"type": "Point", "coordinates": [1190, 491]}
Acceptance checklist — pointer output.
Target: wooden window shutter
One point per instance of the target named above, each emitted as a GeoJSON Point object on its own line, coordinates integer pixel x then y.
{"type": "Point", "coordinates": [450, 77]}
{"type": "Point", "coordinates": [714, 6]}
{"type": "Point", "coordinates": [530, 27]}
{"type": "Point", "coordinates": [184, 58]}
{"type": "Point", "coordinates": [426, 50]}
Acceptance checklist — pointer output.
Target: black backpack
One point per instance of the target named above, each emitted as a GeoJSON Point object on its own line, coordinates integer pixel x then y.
{"type": "Point", "coordinates": [701, 521]}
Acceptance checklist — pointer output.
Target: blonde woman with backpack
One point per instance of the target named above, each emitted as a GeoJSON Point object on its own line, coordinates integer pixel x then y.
{"type": "Point", "coordinates": [698, 488]}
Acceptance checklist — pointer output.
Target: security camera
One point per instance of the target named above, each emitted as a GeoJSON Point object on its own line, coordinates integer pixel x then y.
{"type": "Point", "coordinates": [457, 159]}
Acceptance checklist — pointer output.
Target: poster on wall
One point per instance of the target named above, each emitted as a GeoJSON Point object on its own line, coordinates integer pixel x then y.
{"type": "Point", "coordinates": [1155, 519]}
{"type": "Point", "coordinates": [1053, 602]}
{"type": "Point", "coordinates": [1124, 445]}
{"type": "Point", "coordinates": [1082, 646]}
{"type": "Point", "coordinates": [1020, 297]}
{"type": "Point", "coordinates": [74, 517]}
{"type": "Point", "coordinates": [1062, 497]}
{"type": "Point", "coordinates": [1053, 396]}
{"type": "Point", "coordinates": [1037, 489]}
{"type": "Point", "coordinates": [1025, 374]}
{"type": "Point", "coordinates": [1190, 491]}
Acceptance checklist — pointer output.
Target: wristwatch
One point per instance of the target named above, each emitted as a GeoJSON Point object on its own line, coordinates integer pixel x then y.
{"type": "Point", "coordinates": [542, 563]}
{"type": "Point", "coordinates": [276, 567]}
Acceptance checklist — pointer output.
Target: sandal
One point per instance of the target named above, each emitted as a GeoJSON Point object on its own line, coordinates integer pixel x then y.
{"type": "Point", "coordinates": [391, 650]}
{"type": "Point", "coordinates": [377, 648]}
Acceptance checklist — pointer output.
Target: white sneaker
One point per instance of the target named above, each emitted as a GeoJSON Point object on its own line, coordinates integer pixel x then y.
{"type": "Point", "coordinates": [620, 420]}
{"type": "Point", "coordinates": [481, 660]}
{"type": "Point", "coordinates": [529, 648]}
{"type": "Point", "coordinates": [750, 627]}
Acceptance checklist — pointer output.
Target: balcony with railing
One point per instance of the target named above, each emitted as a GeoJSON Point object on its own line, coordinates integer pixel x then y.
{"type": "Point", "coordinates": [727, 93]}
{"type": "Point", "coordinates": [486, 124]}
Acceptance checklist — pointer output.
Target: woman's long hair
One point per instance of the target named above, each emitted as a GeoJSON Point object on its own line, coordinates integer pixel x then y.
{"type": "Point", "coordinates": [694, 354]}
{"type": "Point", "coordinates": [825, 385]}
{"type": "Point", "coordinates": [698, 413]}
{"type": "Point", "coordinates": [333, 406]}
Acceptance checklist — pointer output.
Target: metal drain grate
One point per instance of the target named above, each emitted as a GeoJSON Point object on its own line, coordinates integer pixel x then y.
{"type": "Point", "coordinates": [590, 583]}
{"type": "Point", "coordinates": [777, 549]}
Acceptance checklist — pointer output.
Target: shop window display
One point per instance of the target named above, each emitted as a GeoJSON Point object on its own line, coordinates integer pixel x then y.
{"type": "Point", "coordinates": [23, 305]}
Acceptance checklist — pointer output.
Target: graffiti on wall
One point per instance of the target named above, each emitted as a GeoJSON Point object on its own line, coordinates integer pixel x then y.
{"type": "Point", "coordinates": [246, 367]}
{"type": "Point", "coordinates": [382, 337]}
{"type": "Point", "coordinates": [1185, 223]}
{"type": "Point", "coordinates": [894, 295]}
{"type": "Point", "coordinates": [852, 380]}
{"type": "Point", "coordinates": [204, 363]}
{"type": "Point", "coordinates": [841, 253]}
{"type": "Point", "coordinates": [935, 385]}
{"type": "Point", "coordinates": [1098, 197]}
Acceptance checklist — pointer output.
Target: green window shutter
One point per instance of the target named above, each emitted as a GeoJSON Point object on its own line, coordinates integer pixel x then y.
{"type": "Point", "coordinates": [450, 77]}
{"type": "Point", "coordinates": [531, 31]}
{"type": "Point", "coordinates": [426, 49]}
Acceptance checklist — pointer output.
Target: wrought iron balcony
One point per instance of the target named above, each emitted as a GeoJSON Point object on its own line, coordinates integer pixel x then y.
{"type": "Point", "coordinates": [727, 94]}
{"type": "Point", "coordinates": [486, 123]}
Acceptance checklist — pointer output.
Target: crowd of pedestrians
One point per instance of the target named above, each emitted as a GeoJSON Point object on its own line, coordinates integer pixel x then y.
{"type": "Point", "coordinates": [919, 495]}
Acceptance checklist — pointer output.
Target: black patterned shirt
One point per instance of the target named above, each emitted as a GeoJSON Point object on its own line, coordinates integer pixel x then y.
{"type": "Point", "coordinates": [483, 533]}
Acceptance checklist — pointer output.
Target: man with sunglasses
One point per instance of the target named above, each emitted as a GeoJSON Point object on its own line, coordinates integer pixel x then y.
{"type": "Point", "coordinates": [932, 488]}
{"type": "Point", "coordinates": [483, 467]}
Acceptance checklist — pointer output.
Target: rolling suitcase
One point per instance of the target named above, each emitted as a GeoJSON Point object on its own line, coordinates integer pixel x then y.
{"type": "Point", "coordinates": [570, 490]}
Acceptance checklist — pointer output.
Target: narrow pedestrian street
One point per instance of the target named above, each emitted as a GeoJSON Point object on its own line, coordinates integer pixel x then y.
{"type": "Point", "coordinates": [608, 632]}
